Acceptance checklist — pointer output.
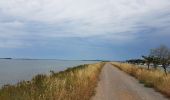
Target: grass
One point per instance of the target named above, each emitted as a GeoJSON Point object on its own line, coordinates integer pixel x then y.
{"type": "Point", "coordinates": [76, 83]}
{"type": "Point", "coordinates": [150, 78]}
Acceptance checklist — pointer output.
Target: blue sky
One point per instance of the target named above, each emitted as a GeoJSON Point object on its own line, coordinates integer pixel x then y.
{"type": "Point", "coordinates": [83, 29]}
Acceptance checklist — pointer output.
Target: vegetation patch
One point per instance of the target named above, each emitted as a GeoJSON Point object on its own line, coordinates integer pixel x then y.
{"type": "Point", "coordinates": [76, 83]}
{"type": "Point", "coordinates": [150, 78]}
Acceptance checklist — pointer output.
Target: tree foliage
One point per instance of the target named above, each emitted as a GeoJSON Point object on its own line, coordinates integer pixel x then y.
{"type": "Point", "coordinates": [162, 55]}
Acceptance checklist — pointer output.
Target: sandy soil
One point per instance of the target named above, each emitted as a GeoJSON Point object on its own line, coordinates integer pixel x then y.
{"type": "Point", "coordinates": [117, 85]}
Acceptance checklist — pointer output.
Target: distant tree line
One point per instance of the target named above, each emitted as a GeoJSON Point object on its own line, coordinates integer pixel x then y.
{"type": "Point", "coordinates": [158, 57]}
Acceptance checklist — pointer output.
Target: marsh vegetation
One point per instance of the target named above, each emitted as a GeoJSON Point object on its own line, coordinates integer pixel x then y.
{"type": "Point", "coordinates": [76, 83]}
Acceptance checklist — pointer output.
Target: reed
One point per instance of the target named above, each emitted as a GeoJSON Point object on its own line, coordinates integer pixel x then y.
{"type": "Point", "coordinates": [76, 83]}
{"type": "Point", "coordinates": [150, 78]}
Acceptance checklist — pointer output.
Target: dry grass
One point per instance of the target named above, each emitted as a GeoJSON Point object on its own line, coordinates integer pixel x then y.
{"type": "Point", "coordinates": [151, 78]}
{"type": "Point", "coordinates": [76, 83]}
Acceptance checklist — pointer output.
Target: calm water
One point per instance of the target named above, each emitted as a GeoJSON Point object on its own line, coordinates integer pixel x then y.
{"type": "Point", "coordinates": [13, 71]}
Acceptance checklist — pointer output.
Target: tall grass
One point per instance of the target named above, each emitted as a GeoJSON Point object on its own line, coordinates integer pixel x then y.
{"type": "Point", "coordinates": [151, 78]}
{"type": "Point", "coordinates": [76, 83]}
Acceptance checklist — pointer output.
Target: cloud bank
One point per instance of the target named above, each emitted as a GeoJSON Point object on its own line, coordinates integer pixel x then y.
{"type": "Point", "coordinates": [24, 21]}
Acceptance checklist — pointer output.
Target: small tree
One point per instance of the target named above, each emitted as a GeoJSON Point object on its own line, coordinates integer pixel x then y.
{"type": "Point", "coordinates": [135, 61]}
{"type": "Point", "coordinates": [148, 60]}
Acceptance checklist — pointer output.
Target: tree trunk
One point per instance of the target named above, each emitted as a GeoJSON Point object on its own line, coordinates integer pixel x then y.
{"type": "Point", "coordinates": [165, 70]}
{"type": "Point", "coordinates": [148, 65]}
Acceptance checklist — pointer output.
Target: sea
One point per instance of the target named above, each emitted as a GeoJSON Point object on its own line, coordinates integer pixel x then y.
{"type": "Point", "coordinates": [13, 71]}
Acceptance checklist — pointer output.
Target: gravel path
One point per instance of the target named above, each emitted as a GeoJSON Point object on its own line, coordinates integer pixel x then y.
{"type": "Point", "coordinates": [117, 85]}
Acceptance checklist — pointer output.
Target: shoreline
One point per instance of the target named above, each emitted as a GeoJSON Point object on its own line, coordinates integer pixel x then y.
{"type": "Point", "coordinates": [13, 71]}
{"type": "Point", "coordinates": [76, 82]}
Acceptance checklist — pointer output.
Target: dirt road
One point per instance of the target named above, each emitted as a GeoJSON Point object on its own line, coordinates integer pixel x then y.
{"type": "Point", "coordinates": [117, 85]}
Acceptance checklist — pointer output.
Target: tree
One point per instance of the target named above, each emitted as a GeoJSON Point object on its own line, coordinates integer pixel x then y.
{"type": "Point", "coordinates": [135, 61]}
{"type": "Point", "coordinates": [148, 60]}
{"type": "Point", "coordinates": [162, 54]}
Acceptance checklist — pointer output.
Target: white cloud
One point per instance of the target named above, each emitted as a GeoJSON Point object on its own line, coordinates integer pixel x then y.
{"type": "Point", "coordinates": [58, 10]}
{"type": "Point", "coordinates": [82, 18]}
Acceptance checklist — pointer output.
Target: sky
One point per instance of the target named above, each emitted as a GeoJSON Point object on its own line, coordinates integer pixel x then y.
{"type": "Point", "coordinates": [83, 29]}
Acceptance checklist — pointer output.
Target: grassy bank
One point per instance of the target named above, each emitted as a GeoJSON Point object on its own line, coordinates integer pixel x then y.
{"type": "Point", "coordinates": [150, 78]}
{"type": "Point", "coordinates": [76, 83]}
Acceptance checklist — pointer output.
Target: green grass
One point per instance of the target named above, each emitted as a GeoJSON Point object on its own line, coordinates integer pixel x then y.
{"type": "Point", "coordinates": [150, 78]}
{"type": "Point", "coordinates": [76, 83]}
